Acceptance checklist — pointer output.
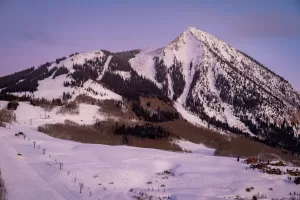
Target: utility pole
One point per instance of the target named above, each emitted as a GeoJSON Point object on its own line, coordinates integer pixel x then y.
{"type": "Point", "coordinates": [81, 187]}
{"type": "Point", "coordinates": [60, 165]}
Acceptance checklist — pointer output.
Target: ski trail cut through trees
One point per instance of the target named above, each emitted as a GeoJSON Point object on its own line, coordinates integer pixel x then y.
{"type": "Point", "coordinates": [105, 67]}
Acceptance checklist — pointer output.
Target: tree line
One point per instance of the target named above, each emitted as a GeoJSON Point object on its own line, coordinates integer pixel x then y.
{"type": "Point", "coordinates": [10, 97]}
{"type": "Point", "coordinates": [29, 83]}
{"type": "Point", "coordinates": [120, 60]}
{"type": "Point", "coordinates": [58, 60]}
{"type": "Point", "coordinates": [161, 73]}
{"type": "Point", "coordinates": [177, 78]}
{"type": "Point", "coordinates": [60, 71]}
{"type": "Point", "coordinates": [132, 88]}
{"type": "Point", "coordinates": [155, 116]}
{"type": "Point", "coordinates": [146, 131]}
{"type": "Point", "coordinates": [91, 69]}
{"type": "Point", "coordinates": [14, 78]}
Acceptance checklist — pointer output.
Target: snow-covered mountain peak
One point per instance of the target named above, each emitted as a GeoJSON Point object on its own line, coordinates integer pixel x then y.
{"type": "Point", "coordinates": [193, 39]}
{"type": "Point", "coordinates": [197, 31]}
{"type": "Point", "coordinates": [184, 48]}
{"type": "Point", "coordinates": [192, 28]}
{"type": "Point", "coordinates": [203, 36]}
{"type": "Point", "coordinates": [203, 74]}
{"type": "Point", "coordinates": [184, 38]}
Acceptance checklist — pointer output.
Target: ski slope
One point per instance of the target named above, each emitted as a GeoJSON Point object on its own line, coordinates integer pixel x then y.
{"type": "Point", "coordinates": [110, 172]}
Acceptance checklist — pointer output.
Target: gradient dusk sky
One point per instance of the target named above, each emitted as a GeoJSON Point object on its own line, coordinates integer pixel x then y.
{"type": "Point", "coordinates": [36, 31]}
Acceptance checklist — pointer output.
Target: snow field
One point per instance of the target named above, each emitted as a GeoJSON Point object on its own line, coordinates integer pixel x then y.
{"type": "Point", "coordinates": [27, 114]}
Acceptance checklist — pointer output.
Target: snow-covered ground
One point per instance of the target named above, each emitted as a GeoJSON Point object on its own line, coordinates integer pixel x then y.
{"type": "Point", "coordinates": [120, 172]}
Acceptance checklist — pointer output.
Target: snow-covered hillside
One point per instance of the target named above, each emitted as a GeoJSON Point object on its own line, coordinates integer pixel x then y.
{"type": "Point", "coordinates": [27, 114]}
{"type": "Point", "coordinates": [53, 86]}
{"type": "Point", "coordinates": [110, 172]}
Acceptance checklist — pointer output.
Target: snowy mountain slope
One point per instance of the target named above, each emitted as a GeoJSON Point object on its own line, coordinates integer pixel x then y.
{"type": "Point", "coordinates": [237, 68]}
{"type": "Point", "coordinates": [50, 89]}
{"type": "Point", "coordinates": [187, 50]}
{"type": "Point", "coordinates": [80, 59]}
{"type": "Point", "coordinates": [203, 76]}
{"type": "Point", "coordinates": [216, 81]}
{"type": "Point", "coordinates": [267, 81]}
{"type": "Point", "coordinates": [143, 64]}
{"type": "Point", "coordinates": [124, 172]}
{"type": "Point", "coordinates": [53, 85]}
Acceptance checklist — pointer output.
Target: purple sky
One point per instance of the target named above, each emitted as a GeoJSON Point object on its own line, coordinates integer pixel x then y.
{"type": "Point", "coordinates": [36, 31]}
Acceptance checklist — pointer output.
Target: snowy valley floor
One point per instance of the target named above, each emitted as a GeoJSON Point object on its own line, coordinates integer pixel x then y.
{"type": "Point", "coordinates": [120, 172]}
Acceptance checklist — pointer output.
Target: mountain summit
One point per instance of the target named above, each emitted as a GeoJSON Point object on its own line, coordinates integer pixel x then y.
{"type": "Point", "coordinates": [223, 87]}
